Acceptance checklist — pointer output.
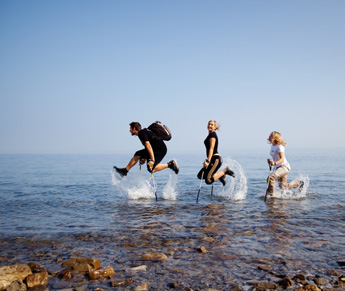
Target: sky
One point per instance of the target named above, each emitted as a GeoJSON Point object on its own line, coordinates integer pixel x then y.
{"type": "Point", "coordinates": [74, 74]}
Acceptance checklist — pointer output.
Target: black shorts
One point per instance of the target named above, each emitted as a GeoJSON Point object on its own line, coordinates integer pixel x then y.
{"type": "Point", "coordinates": [159, 154]}
{"type": "Point", "coordinates": [213, 167]}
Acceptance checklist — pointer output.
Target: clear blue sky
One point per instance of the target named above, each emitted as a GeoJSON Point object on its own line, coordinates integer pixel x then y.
{"type": "Point", "coordinates": [74, 74]}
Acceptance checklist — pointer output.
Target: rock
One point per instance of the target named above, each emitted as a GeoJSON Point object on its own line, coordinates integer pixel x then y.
{"type": "Point", "coordinates": [17, 286]}
{"type": "Point", "coordinates": [321, 281]}
{"type": "Point", "coordinates": [208, 239]}
{"type": "Point", "coordinates": [44, 288]}
{"type": "Point", "coordinates": [173, 285]}
{"type": "Point", "coordinates": [308, 288]}
{"type": "Point", "coordinates": [33, 266]}
{"type": "Point", "coordinates": [285, 283]}
{"type": "Point", "coordinates": [201, 250]}
{"type": "Point", "coordinates": [263, 285]}
{"type": "Point", "coordinates": [95, 274]}
{"type": "Point", "coordinates": [333, 273]}
{"type": "Point", "coordinates": [265, 268]}
{"type": "Point", "coordinates": [81, 288]}
{"type": "Point", "coordinates": [341, 263]}
{"type": "Point", "coordinates": [37, 279]}
{"type": "Point", "coordinates": [119, 283]}
{"type": "Point", "coordinates": [341, 283]}
{"type": "Point", "coordinates": [82, 264]}
{"type": "Point", "coordinates": [141, 268]}
{"type": "Point", "coordinates": [154, 257]}
{"type": "Point", "coordinates": [9, 274]}
{"type": "Point", "coordinates": [300, 278]}
{"type": "Point", "coordinates": [65, 274]}
{"type": "Point", "coordinates": [142, 287]}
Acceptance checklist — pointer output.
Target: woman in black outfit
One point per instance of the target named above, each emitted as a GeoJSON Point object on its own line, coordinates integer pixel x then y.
{"type": "Point", "coordinates": [214, 160]}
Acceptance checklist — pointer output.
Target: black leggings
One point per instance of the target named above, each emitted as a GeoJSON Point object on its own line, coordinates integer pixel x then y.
{"type": "Point", "coordinates": [213, 167]}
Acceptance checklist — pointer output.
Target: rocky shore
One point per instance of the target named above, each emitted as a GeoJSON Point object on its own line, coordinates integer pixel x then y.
{"type": "Point", "coordinates": [81, 274]}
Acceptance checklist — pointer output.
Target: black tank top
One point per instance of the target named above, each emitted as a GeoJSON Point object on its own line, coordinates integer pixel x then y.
{"type": "Point", "coordinates": [207, 143]}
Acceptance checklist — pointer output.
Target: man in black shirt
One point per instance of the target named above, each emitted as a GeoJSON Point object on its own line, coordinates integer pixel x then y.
{"type": "Point", "coordinates": [154, 152]}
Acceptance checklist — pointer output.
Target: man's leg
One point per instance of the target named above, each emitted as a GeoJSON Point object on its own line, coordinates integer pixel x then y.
{"type": "Point", "coordinates": [132, 163]}
{"type": "Point", "coordinates": [139, 154]}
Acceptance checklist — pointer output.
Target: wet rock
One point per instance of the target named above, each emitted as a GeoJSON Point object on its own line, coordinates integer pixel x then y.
{"type": "Point", "coordinates": [95, 274]}
{"type": "Point", "coordinates": [202, 250]}
{"type": "Point", "coordinates": [285, 282]}
{"type": "Point", "coordinates": [81, 288]}
{"type": "Point", "coordinates": [119, 283]}
{"type": "Point", "coordinates": [321, 281]}
{"type": "Point", "coordinates": [333, 273]}
{"type": "Point", "coordinates": [173, 285]}
{"type": "Point", "coordinates": [17, 286]}
{"type": "Point", "coordinates": [341, 281]}
{"type": "Point", "coordinates": [141, 268]}
{"type": "Point", "coordinates": [82, 264]}
{"type": "Point", "coordinates": [141, 287]}
{"type": "Point", "coordinates": [208, 239]}
{"type": "Point", "coordinates": [41, 288]}
{"type": "Point", "coordinates": [9, 274]}
{"type": "Point", "coordinates": [265, 268]}
{"type": "Point", "coordinates": [33, 266]}
{"type": "Point", "coordinates": [263, 285]}
{"type": "Point", "coordinates": [154, 257]}
{"type": "Point", "coordinates": [341, 263]}
{"type": "Point", "coordinates": [308, 288]}
{"type": "Point", "coordinates": [65, 274]}
{"type": "Point", "coordinates": [37, 279]}
{"type": "Point", "coordinates": [300, 278]}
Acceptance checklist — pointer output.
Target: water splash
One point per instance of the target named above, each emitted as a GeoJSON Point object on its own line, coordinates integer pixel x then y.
{"type": "Point", "coordinates": [134, 186]}
{"type": "Point", "coordinates": [235, 188]}
{"type": "Point", "coordinates": [293, 194]}
{"type": "Point", "coordinates": [169, 191]}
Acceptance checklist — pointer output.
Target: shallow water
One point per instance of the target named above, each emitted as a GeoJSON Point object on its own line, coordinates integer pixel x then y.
{"type": "Point", "coordinates": [58, 206]}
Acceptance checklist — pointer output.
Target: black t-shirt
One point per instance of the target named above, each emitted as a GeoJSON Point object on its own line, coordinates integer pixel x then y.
{"type": "Point", "coordinates": [147, 135]}
{"type": "Point", "coordinates": [207, 143]}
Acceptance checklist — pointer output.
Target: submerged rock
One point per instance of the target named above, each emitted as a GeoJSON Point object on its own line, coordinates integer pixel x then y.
{"type": "Point", "coordinates": [119, 283]}
{"type": "Point", "coordinates": [82, 264]}
{"type": "Point", "coordinates": [142, 287]}
{"type": "Point", "coordinates": [285, 282]}
{"type": "Point", "coordinates": [65, 274]}
{"type": "Point", "coordinates": [263, 285]}
{"type": "Point", "coordinates": [141, 268]}
{"type": "Point", "coordinates": [300, 278]}
{"type": "Point", "coordinates": [308, 288]}
{"type": "Point", "coordinates": [154, 257]}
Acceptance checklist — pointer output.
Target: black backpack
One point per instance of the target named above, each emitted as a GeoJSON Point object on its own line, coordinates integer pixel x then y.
{"type": "Point", "coordinates": [162, 131]}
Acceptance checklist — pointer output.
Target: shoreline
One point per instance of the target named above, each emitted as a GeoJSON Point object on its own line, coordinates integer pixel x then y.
{"type": "Point", "coordinates": [137, 266]}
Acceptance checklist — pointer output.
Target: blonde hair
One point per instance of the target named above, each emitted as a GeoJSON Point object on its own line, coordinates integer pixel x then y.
{"type": "Point", "coordinates": [277, 139]}
{"type": "Point", "coordinates": [216, 124]}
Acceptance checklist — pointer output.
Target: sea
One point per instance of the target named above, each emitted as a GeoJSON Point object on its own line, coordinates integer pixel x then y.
{"type": "Point", "coordinates": [56, 207]}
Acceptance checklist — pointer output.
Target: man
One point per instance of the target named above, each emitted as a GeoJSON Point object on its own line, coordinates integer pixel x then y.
{"type": "Point", "coordinates": [154, 152]}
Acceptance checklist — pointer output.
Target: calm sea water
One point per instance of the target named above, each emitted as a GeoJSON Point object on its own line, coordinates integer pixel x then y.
{"type": "Point", "coordinates": [67, 205]}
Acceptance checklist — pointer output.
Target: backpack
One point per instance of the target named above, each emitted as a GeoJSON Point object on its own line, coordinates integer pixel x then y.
{"type": "Point", "coordinates": [162, 131]}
